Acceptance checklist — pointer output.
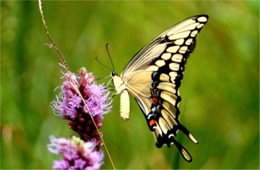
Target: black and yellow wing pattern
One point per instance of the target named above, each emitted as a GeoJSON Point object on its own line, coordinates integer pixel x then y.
{"type": "Point", "coordinates": [154, 76]}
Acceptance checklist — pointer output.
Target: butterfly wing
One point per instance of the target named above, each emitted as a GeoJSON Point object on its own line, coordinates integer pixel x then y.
{"type": "Point", "coordinates": [160, 107]}
{"type": "Point", "coordinates": [166, 127]}
{"type": "Point", "coordinates": [154, 75]}
{"type": "Point", "coordinates": [177, 35]}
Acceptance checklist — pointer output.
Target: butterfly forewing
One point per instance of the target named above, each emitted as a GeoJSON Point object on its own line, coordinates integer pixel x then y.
{"type": "Point", "coordinates": [144, 55]}
{"type": "Point", "coordinates": [154, 75]}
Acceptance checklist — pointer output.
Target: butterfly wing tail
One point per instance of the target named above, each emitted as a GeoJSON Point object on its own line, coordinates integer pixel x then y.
{"type": "Point", "coordinates": [187, 133]}
{"type": "Point", "coordinates": [185, 154]}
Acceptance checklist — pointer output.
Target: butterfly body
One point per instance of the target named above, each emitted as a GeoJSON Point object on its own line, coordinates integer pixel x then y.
{"type": "Point", "coordinates": [153, 78]}
{"type": "Point", "coordinates": [120, 87]}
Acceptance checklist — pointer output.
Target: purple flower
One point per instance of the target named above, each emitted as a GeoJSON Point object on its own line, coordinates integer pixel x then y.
{"type": "Point", "coordinates": [69, 105]}
{"type": "Point", "coordinates": [97, 101]}
{"type": "Point", "coordinates": [61, 164]}
{"type": "Point", "coordinates": [76, 154]}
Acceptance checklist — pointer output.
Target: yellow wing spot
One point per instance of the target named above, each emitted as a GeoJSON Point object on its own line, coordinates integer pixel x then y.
{"type": "Point", "coordinates": [185, 154]}
{"type": "Point", "coordinates": [173, 49]}
{"type": "Point", "coordinates": [152, 68]}
{"type": "Point", "coordinates": [167, 86]}
{"type": "Point", "coordinates": [156, 133]}
{"type": "Point", "coordinates": [192, 138]}
{"type": "Point", "coordinates": [172, 110]}
{"type": "Point", "coordinates": [171, 135]}
{"type": "Point", "coordinates": [160, 63]}
{"type": "Point", "coordinates": [177, 58]}
{"type": "Point", "coordinates": [164, 77]}
{"type": "Point", "coordinates": [173, 75]}
{"type": "Point", "coordinates": [169, 97]}
{"type": "Point", "coordinates": [163, 125]}
{"type": "Point", "coordinates": [174, 66]}
{"type": "Point", "coordinates": [165, 115]}
{"type": "Point", "coordinates": [179, 41]}
{"type": "Point", "coordinates": [169, 118]}
{"type": "Point", "coordinates": [189, 41]}
{"type": "Point", "coordinates": [179, 35]}
{"type": "Point", "coordinates": [194, 33]}
{"type": "Point", "coordinates": [183, 49]}
{"type": "Point", "coordinates": [166, 56]}
{"type": "Point", "coordinates": [158, 130]}
{"type": "Point", "coordinates": [190, 27]}
{"type": "Point", "coordinates": [200, 26]}
{"type": "Point", "coordinates": [202, 19]}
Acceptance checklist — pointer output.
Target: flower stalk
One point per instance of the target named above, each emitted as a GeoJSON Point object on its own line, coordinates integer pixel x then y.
{"type": "Point", "coordinates": [52, 44]}
{"type": "Point", "coordinates": [88, 112]}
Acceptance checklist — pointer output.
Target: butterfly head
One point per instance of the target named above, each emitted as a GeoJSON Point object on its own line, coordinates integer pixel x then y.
{"type": "Point", "coordinates": [113, 73]}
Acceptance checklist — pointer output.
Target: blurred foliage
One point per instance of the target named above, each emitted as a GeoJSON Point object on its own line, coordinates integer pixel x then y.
{"type": "Point", "coordinates": [220, 90]}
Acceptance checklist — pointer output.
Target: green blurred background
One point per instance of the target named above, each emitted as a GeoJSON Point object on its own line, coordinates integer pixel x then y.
{"type": "Point", "coordinates": [220, 90]}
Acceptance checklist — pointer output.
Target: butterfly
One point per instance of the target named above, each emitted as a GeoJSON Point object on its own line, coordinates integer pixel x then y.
{"type": "Point", "coordinates": [153, 77]}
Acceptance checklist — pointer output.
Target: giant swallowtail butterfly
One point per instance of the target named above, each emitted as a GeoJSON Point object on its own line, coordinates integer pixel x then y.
{"type": "Point", "coordinates": [153, 77]}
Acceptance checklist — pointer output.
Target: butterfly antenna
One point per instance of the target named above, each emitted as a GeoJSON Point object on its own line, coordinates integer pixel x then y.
{"type": "Point", "coordinates": [102, 63]}
{"type": "Point", "coordinates": [110, 57]}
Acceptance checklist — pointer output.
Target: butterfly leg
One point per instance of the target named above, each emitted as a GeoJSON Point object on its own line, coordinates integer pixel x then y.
{"type": "Point", "coordinates": [113, 95]}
